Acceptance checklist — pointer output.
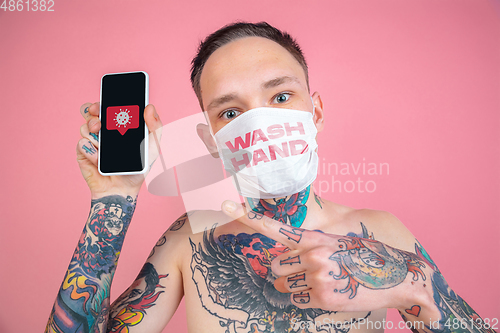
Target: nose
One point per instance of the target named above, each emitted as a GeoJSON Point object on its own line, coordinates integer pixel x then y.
{"type": "Point", "coordinates": [255, 101]}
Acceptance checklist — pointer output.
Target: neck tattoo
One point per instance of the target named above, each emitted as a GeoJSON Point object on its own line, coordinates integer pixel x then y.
{"type": "Point", "coordinates": [291, 210]}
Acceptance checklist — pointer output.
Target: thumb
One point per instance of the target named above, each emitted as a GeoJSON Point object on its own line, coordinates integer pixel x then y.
{"type": "Point", "coordinates": [155, 128]}
{"type": "Point", "coordinates": [152, 118]}
{"type": "Point", "coordinates": [279, 285]}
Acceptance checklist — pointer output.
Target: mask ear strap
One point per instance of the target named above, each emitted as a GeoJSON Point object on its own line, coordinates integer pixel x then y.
{"type": "Point", "coordinates": [209, 125]}
{"type": "Point", "coordinates": [314, 109]}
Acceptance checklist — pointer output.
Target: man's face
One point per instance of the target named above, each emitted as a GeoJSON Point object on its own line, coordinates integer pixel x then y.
{"type": "Point", "coordinates": [249, 73]}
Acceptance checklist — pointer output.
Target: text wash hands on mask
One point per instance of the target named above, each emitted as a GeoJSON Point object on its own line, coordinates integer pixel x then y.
{"type": "Point", "coordinates": [270, 152]}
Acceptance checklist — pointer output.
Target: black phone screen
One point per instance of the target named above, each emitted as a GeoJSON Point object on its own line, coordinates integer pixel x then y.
{"type": "Point", "coordinates": [123, 98]}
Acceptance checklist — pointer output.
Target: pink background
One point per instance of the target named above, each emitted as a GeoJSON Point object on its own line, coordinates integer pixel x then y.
{"type": "Point", "coordinates": [414, 84]}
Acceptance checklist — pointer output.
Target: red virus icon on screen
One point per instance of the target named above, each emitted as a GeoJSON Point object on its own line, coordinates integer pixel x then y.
{"type": "Point", "coordinates": [122, 118]}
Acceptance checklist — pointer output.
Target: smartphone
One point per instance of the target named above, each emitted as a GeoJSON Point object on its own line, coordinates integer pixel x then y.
{"type": "Point", "coordinates": [123, 138]}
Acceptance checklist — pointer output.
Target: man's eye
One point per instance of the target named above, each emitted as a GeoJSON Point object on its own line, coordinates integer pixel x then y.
{"type": "Point", "coordinates": [282, 98]}
{"type": "Point", "coordinates": [230, 114]}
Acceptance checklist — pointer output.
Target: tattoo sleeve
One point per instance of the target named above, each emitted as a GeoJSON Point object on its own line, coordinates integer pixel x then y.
{"type": "Point", "coordinates": [82, 303]}
{"type": "Point", "coordinates": [455, 314]}
{"type": "Point", "coordinates": [366, 263]}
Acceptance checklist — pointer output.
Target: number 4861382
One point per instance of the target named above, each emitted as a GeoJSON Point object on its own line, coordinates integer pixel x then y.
{"type": "Point", "coordinates": [27, 5]}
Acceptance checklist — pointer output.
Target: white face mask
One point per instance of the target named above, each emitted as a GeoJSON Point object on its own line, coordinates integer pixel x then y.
{"type": "Point", "coordinates": [270, 152]}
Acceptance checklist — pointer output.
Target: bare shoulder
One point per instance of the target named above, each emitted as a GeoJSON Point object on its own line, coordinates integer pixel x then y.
{"type": "Point", "coordinates": [387, 228]}
{"type": "Point", "coordinates": [193, 222]}
{"type": "Point", "coordinates": [190, 226]}
{"type": "Point", "coordinates": [384, 226]}
{"type": "Point", "coordinates": [165, 253]}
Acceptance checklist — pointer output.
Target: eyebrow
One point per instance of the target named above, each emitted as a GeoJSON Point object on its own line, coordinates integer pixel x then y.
{"type": "Point", "coordinates": [221, 100]}
{"type": "Point", "coordinates": [266, 85]}
{"type": "Point", "coordinates": [279, 80]}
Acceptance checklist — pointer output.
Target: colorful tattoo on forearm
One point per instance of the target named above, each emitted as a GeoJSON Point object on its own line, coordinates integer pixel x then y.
{"type": "Point", "coordinates": [290, 210]}
{"type": "Point", "coordinates": [82, 304]}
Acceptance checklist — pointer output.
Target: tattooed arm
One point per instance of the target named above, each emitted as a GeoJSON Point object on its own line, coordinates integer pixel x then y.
{"type": "Point", "coordinates": [82, 304]}
{"type": "Point", "coordinates": [455, 315]}
{"type": "Point", "coordinates": [431, 294]}
{"type": "Point", "coordinates": [344, 273]}
{"type": "Point", "coordinates": [149, 303]}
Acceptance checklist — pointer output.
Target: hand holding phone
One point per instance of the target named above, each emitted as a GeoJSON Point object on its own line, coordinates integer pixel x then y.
{"type": "Point", "coordinates": [88, 151]}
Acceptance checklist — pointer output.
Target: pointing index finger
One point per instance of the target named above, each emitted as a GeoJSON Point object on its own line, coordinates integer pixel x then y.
{"type": "Point", "coordinates": [285, 234]}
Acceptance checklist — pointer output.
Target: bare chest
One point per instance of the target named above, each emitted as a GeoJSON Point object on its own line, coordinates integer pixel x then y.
{"type": "Point", "coordinates": [229, 287]}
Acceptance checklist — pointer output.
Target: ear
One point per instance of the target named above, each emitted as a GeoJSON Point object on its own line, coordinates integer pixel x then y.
{"type": "Point", "coordinates": [204, 133]}
{"type": "Point", "coordinates": [318, 113]}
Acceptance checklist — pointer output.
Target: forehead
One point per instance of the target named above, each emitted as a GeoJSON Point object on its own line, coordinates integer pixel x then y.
{"type": "Point", "coordinates": [243, 64]}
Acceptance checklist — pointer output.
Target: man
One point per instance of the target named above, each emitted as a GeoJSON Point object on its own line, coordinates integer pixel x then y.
{"type": "Point", "coordinates": [269, 273]}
